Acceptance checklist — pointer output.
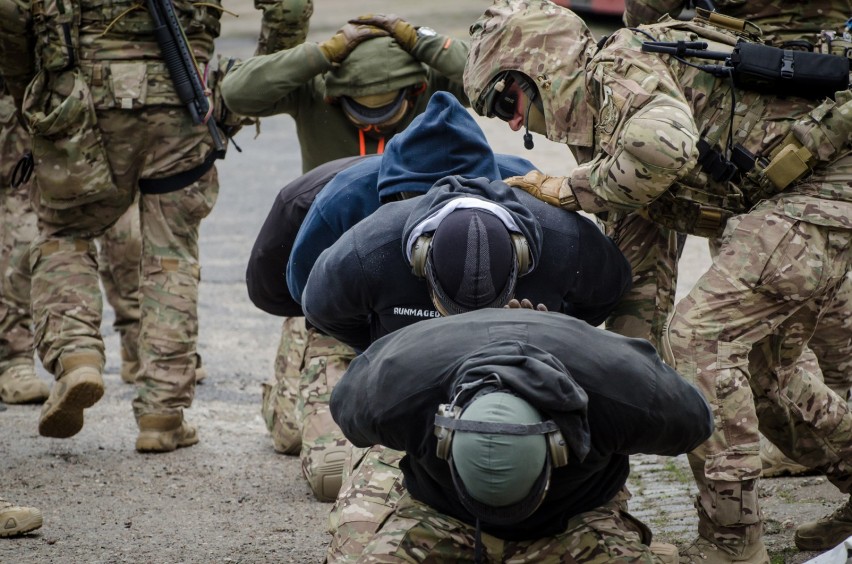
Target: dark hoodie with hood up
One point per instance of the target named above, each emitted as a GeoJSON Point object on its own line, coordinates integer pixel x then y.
{"type": "Point", "coordinates": [611, 397]}
{"type": "Point", "coordinates": [442, 141]}
{"type": "Point", "coordinates": [362, 287]}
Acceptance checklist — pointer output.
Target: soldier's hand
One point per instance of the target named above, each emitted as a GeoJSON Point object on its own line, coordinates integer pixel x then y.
{"type": "Point", "coordinates": [553, 190]}
{"type": "Point", "coordinates": [347, 38]}
{"type": "Point", "coordinates": [524, 304]}
{"type": "Point", "coordinates": [404, 33]}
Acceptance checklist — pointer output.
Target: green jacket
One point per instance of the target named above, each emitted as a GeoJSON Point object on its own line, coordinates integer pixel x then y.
{"type": "Point", "coordinates": [302, 83]}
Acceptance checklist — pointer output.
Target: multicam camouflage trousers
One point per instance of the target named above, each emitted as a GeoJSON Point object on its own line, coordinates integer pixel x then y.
{"type": "Point", "coordinates": [119, 261]}
{"type": "Point", "coordinates": [66, 298]}
{"type": "Point", "coordinates": [376, 520]}
{"type": "Point", "coordinates": [372, 488]}
{"type": "Point", "coordinates": [17, 230]}
{"type": "Point", "coordinates": [653, 252]}
{"type": "Point", "coordinates": [739, 335]}
{"type": "Point", "coordinates": [296, 406]}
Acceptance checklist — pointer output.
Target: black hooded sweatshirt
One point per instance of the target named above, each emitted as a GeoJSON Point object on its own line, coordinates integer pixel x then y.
{"type": "Point", "coordinates": [611, 397]}
{"type": "Point", "coordinates": [362, 287]}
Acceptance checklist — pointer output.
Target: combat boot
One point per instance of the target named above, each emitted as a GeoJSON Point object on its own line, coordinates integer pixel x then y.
{"type": "Point", "coordinates": [828, 532]}
{"type": "Point", "coordinates": [665, 553]}
{"type": "Point", "coordinates": [15, 520]}
{"type": "Point", "coordinates": [164, 432]}
{"type": "Point", "coordinates": [20, 384]}
{"type": "Point", "coordinates": [79, 387]}
{"type": "Point", "coordinates": [775, 463]}
{"type": "Point", "coordinates": [200, 370]}
{"type": "Point", "coordinates": [702, 551]}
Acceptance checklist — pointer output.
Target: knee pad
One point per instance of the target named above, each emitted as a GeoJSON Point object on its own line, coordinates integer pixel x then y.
{"type": "Point", "coordinates": [323, 469]}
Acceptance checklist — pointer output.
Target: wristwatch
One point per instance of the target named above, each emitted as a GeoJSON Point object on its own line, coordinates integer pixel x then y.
{"type": "Point", "coordinates": [426, 32]}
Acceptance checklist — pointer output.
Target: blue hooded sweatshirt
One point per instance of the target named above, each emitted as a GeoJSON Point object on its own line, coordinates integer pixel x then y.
{"type": "Point", "coordinates": [444, 140]}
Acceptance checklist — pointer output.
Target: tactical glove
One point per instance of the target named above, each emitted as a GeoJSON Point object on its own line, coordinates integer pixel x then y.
{"type": "Point", "coordinates": [403, 32]}
{"type": "Point", "coordinates": [346, 39]}
{"type": "Point", "coordinates": [553, 190]}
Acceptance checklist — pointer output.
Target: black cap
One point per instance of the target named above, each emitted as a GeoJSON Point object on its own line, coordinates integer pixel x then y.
{"type": "Point", "coordinates": [471, 262]}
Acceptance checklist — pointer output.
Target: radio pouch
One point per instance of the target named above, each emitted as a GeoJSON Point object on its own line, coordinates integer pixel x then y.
{"type": "Point", "coordinates": [785, 72]}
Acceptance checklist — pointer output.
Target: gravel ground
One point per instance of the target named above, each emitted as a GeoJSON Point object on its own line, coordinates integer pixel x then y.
{"type": "Point", "coordinates": [231, 498]}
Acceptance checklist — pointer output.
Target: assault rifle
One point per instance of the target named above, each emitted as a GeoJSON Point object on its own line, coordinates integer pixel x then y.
{"type": "Point", "coordinates": [183, 69]}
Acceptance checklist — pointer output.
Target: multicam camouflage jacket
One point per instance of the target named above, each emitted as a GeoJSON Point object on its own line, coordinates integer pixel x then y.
{"type": "Point", "coordinates": [634, 119]}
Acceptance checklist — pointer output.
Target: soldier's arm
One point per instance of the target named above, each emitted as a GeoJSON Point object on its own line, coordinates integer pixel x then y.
{"type": "Point", "coordinates": [638, 12]}
{"type": "Point", "coordinates": [284, 24]}
{"type": "Point", "coordinates": [265, 85]}
{"type": "Point", "coordinates": [17, 44]}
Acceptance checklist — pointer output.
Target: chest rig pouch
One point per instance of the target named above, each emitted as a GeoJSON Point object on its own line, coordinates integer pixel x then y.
{"type": "Point", "coordinates": [57, 29]}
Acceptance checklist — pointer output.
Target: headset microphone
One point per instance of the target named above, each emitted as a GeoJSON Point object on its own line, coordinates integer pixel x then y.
{"type": "Point", "coordinates": [528, 140]}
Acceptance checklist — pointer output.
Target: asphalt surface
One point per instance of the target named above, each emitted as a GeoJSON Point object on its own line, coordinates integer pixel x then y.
{"type": "Point", "coordinates": [231, 498]}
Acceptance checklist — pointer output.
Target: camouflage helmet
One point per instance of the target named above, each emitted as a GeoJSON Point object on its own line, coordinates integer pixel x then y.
{"type": "Point", "coordinates": [376, 66]}
{"type": "Point", "coordinates": [547, 43]}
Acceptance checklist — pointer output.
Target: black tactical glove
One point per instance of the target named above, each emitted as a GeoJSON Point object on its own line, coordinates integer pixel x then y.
{"type": "Point", "coordinates": [403, 32]}
{"type": "Point", "coordinates": [347, 38]}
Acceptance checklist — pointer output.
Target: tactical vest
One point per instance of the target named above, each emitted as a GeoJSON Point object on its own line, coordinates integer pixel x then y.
{"type": "Point", "coordinates": [112, 43]}
{"type": "Point", "coordinates": [721, 185]}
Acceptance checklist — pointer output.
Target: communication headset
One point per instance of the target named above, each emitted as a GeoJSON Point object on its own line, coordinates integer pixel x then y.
{"type": "Point", "coordinates": [420, 253]}
{"type": "Point", "coordinates": [447, 422]}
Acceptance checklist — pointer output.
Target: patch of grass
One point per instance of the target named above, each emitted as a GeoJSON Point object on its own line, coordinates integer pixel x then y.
{"type": "Point", "coordinates": [678, 473]}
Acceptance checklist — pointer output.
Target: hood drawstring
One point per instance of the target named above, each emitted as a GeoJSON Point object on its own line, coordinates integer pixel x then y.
{"type": "Point", "coordinates": [362, 143]}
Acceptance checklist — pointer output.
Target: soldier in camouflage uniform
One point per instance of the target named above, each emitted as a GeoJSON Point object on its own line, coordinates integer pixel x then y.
{"type": "Point", "coordinates": [476, 489]}
{"type": "Point", "coordinates": [784, 23]}
{"type": "Point", "coordinates": [637, 121]}
{"type": "Point", "coordinates": [105, 120]}
{"type": "Point", "coordinates": [18, 380]}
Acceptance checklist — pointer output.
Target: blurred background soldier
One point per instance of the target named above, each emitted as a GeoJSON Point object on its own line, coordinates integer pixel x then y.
{"type": "Point", "coordinates": [348, 96]}
{"type": "Point", "coordinates": [657, 135]}
{"type": "Point", "coordinates": [18, 380]}
{"type": "Point", "coordinates": [107, 124]}
{"type": "Point", "coordinates": [808, 26]}
{"type": "Point", "coordinates": [517, 428]}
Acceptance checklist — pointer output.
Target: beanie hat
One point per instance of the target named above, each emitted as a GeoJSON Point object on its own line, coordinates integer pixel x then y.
{"type": "Point", "coordinates": [444, 140]}
{"type": "Point", "coordinates": [494, 471]}
{"type": "Point", "coordinates": [471, 263]}
{"type": "Point", "coordinates": [376, 66]}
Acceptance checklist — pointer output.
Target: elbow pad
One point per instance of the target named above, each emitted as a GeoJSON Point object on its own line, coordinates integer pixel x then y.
{"type": "Point", "coordinates": [656, 147]}
{"type": "Point", "coordinates": [661, 137]}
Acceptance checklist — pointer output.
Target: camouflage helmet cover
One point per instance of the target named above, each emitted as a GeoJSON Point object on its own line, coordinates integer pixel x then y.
{"type": "Point", "coordinates": [549, 44]}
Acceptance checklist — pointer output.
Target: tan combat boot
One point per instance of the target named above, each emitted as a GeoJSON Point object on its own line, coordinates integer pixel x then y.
{"type": "Point", "coordinates": [164, 432]}
{"type": "Point", "coordinates": [130, 365]}
{"type": "Point", "coordinates": [20, 384]}
{"type": "Point", "coordinates": [200, 370]}
{"type": "Point", "coordinates": [80, 386]}
{"type": "Point", "coordinates": [15, 520]}
{"type": "Point", "coordinates": [828, 532]}
{"type": "Point", "coordinates": [666, 553]}
{"type": "Point", "coordinates": [702, 551]}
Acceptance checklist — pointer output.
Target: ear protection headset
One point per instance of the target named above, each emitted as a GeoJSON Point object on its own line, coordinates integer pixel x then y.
{"type": "Point", "coordinates": [420, 253]}
{"type": "Point", "coordinates": [447, 422]}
